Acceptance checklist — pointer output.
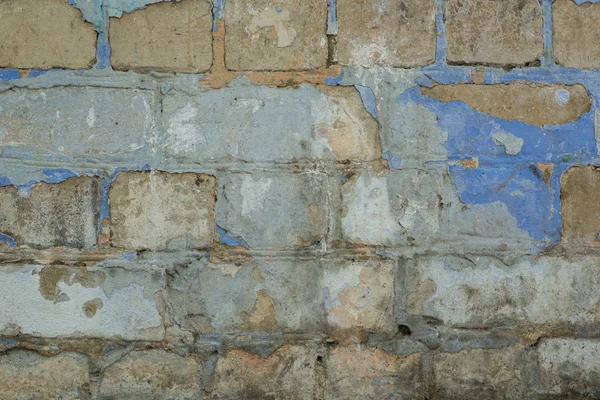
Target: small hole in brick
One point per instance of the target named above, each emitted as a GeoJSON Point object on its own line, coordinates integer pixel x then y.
{"type": "Point", "coordinates": [319, 358]}
{"type": "Point", "coordinates": [404, 330]}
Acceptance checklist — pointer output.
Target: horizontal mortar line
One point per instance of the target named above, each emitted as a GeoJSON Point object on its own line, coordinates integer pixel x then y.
{"type": "Point", "coordinates": [326, 165]}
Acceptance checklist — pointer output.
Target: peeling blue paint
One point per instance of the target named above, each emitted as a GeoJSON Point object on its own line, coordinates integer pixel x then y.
{"type": "Point", "coordinates": [441, 50]}
{"type": "Point", "coordinates": [394, 161]}
{"type": "Point", "coordinates": [218, 7]}
{"type": "Point", "coordinates": [103, 52]}
{"type": "Point", "coordinates": [8, 74]}
{"type": "Point", "coordinates": [57, 175]}
{"type": "Point", "coordinates": [548, 57]}
{"type": "Point", "coordinates": [368, 99]}
{"type": "Point", "coordinates": [130, 256]}
{"type": "Point", "coordinates": [335, 81]}
{"type": "Point", "coordinates": [7, 239]}
{"type": "Point", "coordinates": [332, 22]}
{"type": "Point", "coordinates": [4, 181]}
{"type": "Point", "coordinates": [230, 239]}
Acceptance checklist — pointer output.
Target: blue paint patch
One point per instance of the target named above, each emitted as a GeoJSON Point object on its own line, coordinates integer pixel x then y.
{"type": "Point", "coordinates": [218, 7]}
{"type": "Point", "coordinates": [4, 181]}
{"type": "Point", "coordinates": [57, 175]}
{"type": "Point", "coordinates": [335, 81]}
{"type": "Point", "coordinates": [332, 22]}
{"type": "Point", "coordinates": [368, 99]}
{"type": "Point", "coordinates": [7, 239]}
{"type": "Point", "coordinates": [514, 180]}
{"type": "Point", "coordinates": [230, 239]}
{"type": "Point", "coordinates": [441, 50]}
{"type": "Point", "coordinates": [8, 74]}
{"type": "Point", "coordinates": [7, 343]}
{"type": "Point", "coordinates": [130, 256]}
{"type": "Point", "coordinates": [103, 52]}
{"type": "Point", "coordinates": [278, 9]}
{"type": "Point", "coordinates": [547, 59]}
{"type": "Point", "coordinates": [146, 167]}
{"type": "Point", "coordinates": [394, 161]}
{"type": "Point", "coordinates": [53, 347]}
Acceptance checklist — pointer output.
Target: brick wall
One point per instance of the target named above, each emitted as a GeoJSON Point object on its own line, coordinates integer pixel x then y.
{"type": "Point", "coordinates": [299, 199]}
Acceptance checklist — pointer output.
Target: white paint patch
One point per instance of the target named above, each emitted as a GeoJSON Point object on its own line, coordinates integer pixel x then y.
{"type": "Point", "coordinates": [277, 18]}
{"type": "Point", "coordinates": [512, 144]}
{"type": "Point", "coordinates": [126, 311]}
{"type": "Point", "coordinates": [182, 132]}
{"type": "Point", "coordinates": [254, 195]}
{"type": "Point", "coordinates": [91, 117]}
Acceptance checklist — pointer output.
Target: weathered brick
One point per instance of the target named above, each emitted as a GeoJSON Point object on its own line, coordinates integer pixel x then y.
{"type": "Point", "coordinates": [289, 373]}
{"type": "Point", "coordinates": [478, 374]}
{"type": "Point", "coordinates": [359, 298]}
{"type": "Point", "coordinates": [531, 103]}
{"type": "Point", "coordinates": [269, 209]}
{"type": "Point", "coordinates": [28, 375]}
{"type": "Point", "coordinates": [257, 296]}
{"type": "Point", "coordinates": [311, 122]}
{"type": "Point", "coordinates": [171, 37]}
{"type": "Point", "coordinates": [44, 35]}
{"type": "Point", "coordinates": [391, 208]}
{"type": "Point", "coordinates": [159, 210]}
{"type": "Point", "coordinates": [81, 123]}
{"type": "Point", "coordinates": [569, 367]}
{"type": "Point", "coordinates": [58, 301]}
{"type": "Point", "coordinates": [152, 374]}
{"type": "Point", "coordinates": [398, 33]}
{"type": "Point", "coordinates": [544, 291]}
{"type": "Point", "coordinates": [360, 372]}
{"type": "Point", "coordinates": [282, 35]}
{"type": "Point", "coordinates": [499, 32]}
{"type": "Point", "coordinates": [61, 214]}
{"type": "Point", "coordinates": [576, 34]}
{"type": "Point", "coordinates": [580, 211]}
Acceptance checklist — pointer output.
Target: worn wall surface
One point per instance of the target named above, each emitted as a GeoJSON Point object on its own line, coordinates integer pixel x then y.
{"type": "Point", "coordinates": [299, 199]}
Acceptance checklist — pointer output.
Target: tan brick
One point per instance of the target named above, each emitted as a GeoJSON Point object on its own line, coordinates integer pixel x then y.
{"type": "Point", "coordinates": [397, 33]}
{"type": "Point", "coordinates": [164, 37]}
{"type": "Point", "coordinates": [28, 375]}
{"type": "Point", "coordinates": [576, 34]}
{"type": "Point", "coordinates": [359, 299]}
{"type": "Point", "coordinates": [152, 374]}
{"type": "Point", "coordinates": [275, 35]}
{"type": "Point", "coordinates": [45, 34]}
{"type": "Point", "coordinates": [288, 373]}
{"type": "Point", "coordinates": [360, 372]}
{"type": "Point", "coordinates": [159, 210]}
{"type": "Point", "coordinates": [580, 209]}
{"type": "Point", "coordinates": [531, 103]}
{"type": "Point", "coordinates": [54, 214]}
{"type": "Point", "coordinates": [494, 32]}
{"type": "Point", "coordinates": [478, 374]}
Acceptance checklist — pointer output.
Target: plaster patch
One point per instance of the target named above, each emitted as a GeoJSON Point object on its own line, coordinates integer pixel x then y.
{"type": "Point", "coordinates": [276, 18]}
{"type": "Point", "coordinates": [512, 144]}
{"type": "Point", "coordinates": [254, 194]}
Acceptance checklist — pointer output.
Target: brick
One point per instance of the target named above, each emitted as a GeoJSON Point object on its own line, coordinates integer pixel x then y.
{"type": "Point", "coordinates": [531, 103]}
{"type": "Point", "coordinates": [67, 301]}
{"type": "Point", "coordinates": [256, 296]}
{"type": "Point", "coordinates": [398, 33]}
{"type": "Point", "coordinates": [45, 35]}
{"type": "Point", "coordinates": [580, 211]}
{"type": "Point", "coordinates": [28, 375]}
{"type": "Point", "coordinates": [364, 372]}
{"type": "Point", "coordinates": [529, 293]}
{"type": "Point", "coordinates": [159, 210]}
{"type": "Point", "coordinates": [170, 37]}
{"type": "Point", "coordinates": [391, 208]}
{"type": "Point", "coordinates": [576, 34]}
{"type": "Point", "coordinates": [569, 367]}
{"type": "Point", "coordinates": [359, 298]}
{"type": "Point", "coordinates": [289, 373]}
{"type": "Point", "coordinates": [61, 214]}
{"type": "Point", "coordinates": [269, 209]}
{"type": "Point", "coordinates": [283, 35]}
{"type": "Point", "coordinates": [152, 374]}
{"type": "Point", "coordinates": [499, 32]}
{"type": "Point", "coordinates": [311, 123]}
{"type": "Point", "coordinates": [78, 123]}
{"type": "Point", "coordinates": [478, 374]}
